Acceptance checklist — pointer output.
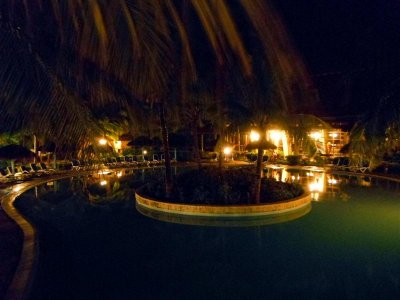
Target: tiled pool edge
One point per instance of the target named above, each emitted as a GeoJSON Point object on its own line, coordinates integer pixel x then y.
{"type": "Point", "coordinates": [226, 210]}
{"type": "Point", "coordinates": [24, 273]}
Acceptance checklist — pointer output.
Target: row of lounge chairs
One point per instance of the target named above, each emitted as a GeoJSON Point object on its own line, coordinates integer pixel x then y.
{"type": "Point", "coordinates": [22, 173]}
{"type": "Point", "coordinates": [346, 164]}
{"type": "Point", "coordinates": [134, 161]}
{"type": "Point", "coordinates": [27, 172]}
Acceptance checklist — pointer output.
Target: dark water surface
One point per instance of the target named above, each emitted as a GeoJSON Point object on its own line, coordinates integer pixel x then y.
{"type": "Point", "coordinates": [94, 244]}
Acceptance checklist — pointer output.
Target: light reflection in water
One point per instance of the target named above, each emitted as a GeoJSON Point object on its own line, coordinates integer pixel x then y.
{"type": "Point", "coordinates": [317, 181]}
{"type": "Point", "coordinates": [344, 250]}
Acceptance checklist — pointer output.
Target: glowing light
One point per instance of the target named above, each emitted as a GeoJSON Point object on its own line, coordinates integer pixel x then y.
{"type": "Point", "coordinates": [104, 172]}
{"type": "Point", "coordinates": [315, 196]}
{"type": "Point", "coordinates": [333, 135]}
{"type": "Point", "coordinates": [103, 182]}
{"type": "Point", "coordinates": [117, 145]}
{"type": "Point", "coordinates": [332, 181]}
{"type": "Point", "coordinates": [254, 136]}
{"type": "Point", "coordinates": [316, 187]}
{"type": "Point", "coordinates": [119, 174]}
{"type": "Point", "coordinates": [227, 150]}
{"type": "Point", "coordinates": [275, 135]}
{"type": "Point", "coordinates": [102, 142]}
{"type": "Point", "coordinates": [17, 188]}
{"type": "Point", "coordinates": [316, 135]}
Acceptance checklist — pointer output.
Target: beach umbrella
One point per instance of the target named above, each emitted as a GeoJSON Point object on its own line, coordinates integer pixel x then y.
{"type": "Point", "coordinates": [13, 152]}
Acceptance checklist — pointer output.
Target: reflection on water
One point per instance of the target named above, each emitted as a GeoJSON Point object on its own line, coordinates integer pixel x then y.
{"type": "Point", "coordinates": [224, 221]}
{"type": "Point", "coordinates": [100, 247]}
{"type": "Point", "coordinates": [324, 185]}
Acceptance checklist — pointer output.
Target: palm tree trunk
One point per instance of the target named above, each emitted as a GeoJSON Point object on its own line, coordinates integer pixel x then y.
{"type": "Point", "coordinates": [219, 97]}
{"type": "Point", "coordinates": [167, 162]}
{"type": "Point", "coordinates": [196, 145]}
{"type": "Point", "coordinates": [257, 194]}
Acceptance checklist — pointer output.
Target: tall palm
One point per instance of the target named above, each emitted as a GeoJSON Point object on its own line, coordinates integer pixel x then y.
{"type": "Point", "coordinates": [299, 128]}
{"type": "Point", "coordinates": [131, 44]}
{"type": "Point", "coordinates": [378, 132]}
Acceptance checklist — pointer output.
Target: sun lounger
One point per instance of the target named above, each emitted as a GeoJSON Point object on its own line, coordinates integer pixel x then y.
{"type": "Point", "coordinates": [28, 171]}
{"type": "Point", "coordinates": [6, 177]}
{"type": "Point", "coordinates": [38, 169]}
{"type": "Point", "coordinates": [48, 169]}
{"type": "Point", "coordinates": [19, 175]}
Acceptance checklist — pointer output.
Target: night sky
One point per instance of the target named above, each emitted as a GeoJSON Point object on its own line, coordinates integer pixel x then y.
{"type": "Point", "coordinates": [351, 48]}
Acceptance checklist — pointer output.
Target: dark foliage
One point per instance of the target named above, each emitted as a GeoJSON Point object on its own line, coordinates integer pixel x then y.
{"type": "Point", "coordinates": [231, 186]}
{"type": "Point", "coordinates": [293, 160]}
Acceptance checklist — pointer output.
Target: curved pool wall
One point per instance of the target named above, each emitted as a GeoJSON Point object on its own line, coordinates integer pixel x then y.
{"type": "Point", "coordinates": [226, 221]}
{"type": "Point", "coordinates": [22, 281]}
{"type": "Point", "coordinates": [345, 248]}
{"type": "Point", "coordinates": [216, 211]}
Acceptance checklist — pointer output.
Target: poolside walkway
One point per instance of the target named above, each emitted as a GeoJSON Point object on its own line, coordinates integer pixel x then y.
{"type": "Point", "coordinates": [10, 248]}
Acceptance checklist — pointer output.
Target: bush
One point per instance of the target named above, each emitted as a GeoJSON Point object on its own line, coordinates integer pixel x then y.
{"type": "Point", "coordinates": [231, 186]}
{"type": "Point", "coordinates": [293, 159]}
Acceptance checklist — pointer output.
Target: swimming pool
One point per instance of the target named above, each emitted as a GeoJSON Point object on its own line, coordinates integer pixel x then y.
{"type": "Point", "coordinates": [94, 244]}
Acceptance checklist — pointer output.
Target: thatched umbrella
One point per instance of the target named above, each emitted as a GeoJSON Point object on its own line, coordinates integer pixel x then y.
{"type": "Point", "coordinates": [13, 152]}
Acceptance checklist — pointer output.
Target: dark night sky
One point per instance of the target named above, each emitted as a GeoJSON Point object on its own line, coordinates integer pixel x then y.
{"type": "Point", "coordinates": [352, 48]}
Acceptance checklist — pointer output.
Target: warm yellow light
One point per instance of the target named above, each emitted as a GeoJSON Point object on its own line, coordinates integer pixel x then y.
{"type": "Point", "coordinates": [117, 145]}
{"type": "Point", "coordinates": [103, 182]}
{"type": "Point", "coordinates": [316, 135]}
{"type": "Point", "coordinates": [102, 142]}
{"type": "Point", "coordinates": [275, 135]}
{"type": "Point", "coordinates": [333, 135]}
{"type": "Point", "coordinates": [315, 196]}
{"type": "Point", "coordinates": [144, 152]}
{"type": "Point", "coordinates": [315, 187]}
{"type": "Point", "coordinates": [104, 172]}
{"type": "Point", "coordinates": [227, 150]}
{"type": "Point", "coordinates": [332, 181]}
{"type": "Point", "coordinates": [254, 136]}
{"type": "Point", "coordinates": [119, 174]}
{"type": "Point", "coordinates": [17, 188]}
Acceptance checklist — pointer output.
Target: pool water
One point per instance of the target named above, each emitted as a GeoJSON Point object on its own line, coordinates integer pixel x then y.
{"type": "Point", "coordinates": [94, 244]}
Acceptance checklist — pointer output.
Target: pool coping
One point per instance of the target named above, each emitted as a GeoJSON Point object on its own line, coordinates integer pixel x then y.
{"type": "Point", "coordinates": [25, 271]}
{"type": "Point", "coordinates": [218, 211]}
{"type": "Point", "coordinates": [23, 277]}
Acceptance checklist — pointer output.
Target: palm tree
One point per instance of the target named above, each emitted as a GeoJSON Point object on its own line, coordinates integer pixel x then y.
{"type": "Point", "coordinates": [299, 129]}
{"type": "Point", "coordinates": [81, 55]}
{"type": "Point", "coordinates": [378, 132]}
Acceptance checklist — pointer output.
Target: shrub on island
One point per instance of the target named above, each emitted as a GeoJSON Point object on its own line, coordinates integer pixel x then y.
{"type": "Point", "coordinates": [229, 187]}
